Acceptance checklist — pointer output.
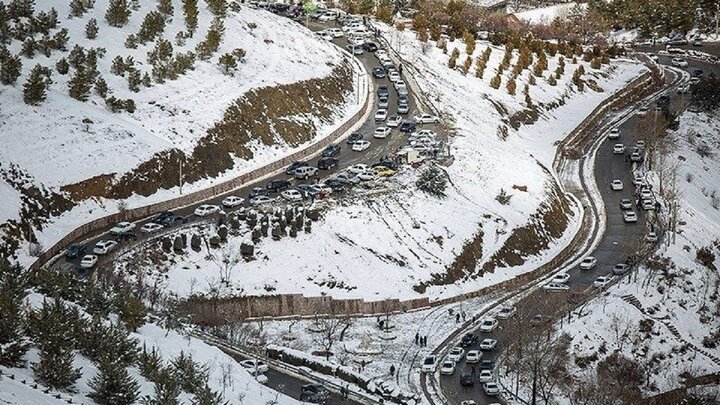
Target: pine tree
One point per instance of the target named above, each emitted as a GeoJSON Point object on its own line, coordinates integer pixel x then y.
{"type": "Point", "coordinates": [77, 57]}
{"type": "Point", "coordinates": [551, 80]}
{"type": "Point", "coordinates": [511, 87]}
{"type": "Point", "coordinates": [113, 385]}
{"type": "Point", "coordinates": [131, 42]}
{"type": "Point", "coordinates": [469, 40]}
{"type": "Point", "coordinates": [10, 69]}
{"type": "Point", "coordinates": [166, 8]}
{"type": "Point", "coordinates": [28, 48]}
{"type": "Point", "coordinates": [211, 43]}
{"type": "Point", "coordinates": [132, 312]}
{"type": "Point", "coordinates": [13, 283]}
{"type": "Point", "coordinates": [134, 80]}
{"type": "Point", "coordinates": [60, 39]}
{"type": "Point", "coordinates": [77, 8]}
{"type": "Point", "coordinates": [117, 13]}
{"type": "Point", "coordinates": [35, 88]}
{"type": "Point", "coordinates": [146, 80]}
{"type": "Point", "coordinates": [62, 66]}
{"type": "Point", "coordinates": [167, 389]}
{"type": "Point", "coordinates": [152, 26]}
{"type": "Point", "coordinates": [206, 396]}
{"type": "Point", "coordinates": [432, 181]}
{"type": "Point", "coordinates": [118, 66]}
{"type": "Point", "coordinates": [150, 363]}
{"type": "Point", "coordinates": [101, 88]}
{"type": "Point", "coordinates": [217, 7]}
{"type": "Point", "coordinates": [129, 106]}
{"type": "Point", "coordinates": [91, 29]}
{"type": "Point", "coordinates": [466, 65]}
{"type": "Point", "coordinates": [21, 8]}
{"type": "Point", "coordinates": [191, 375]}
{"type": "Point", "coordinates": [228, 63]}
{"type": "Point", "coordinates": [495, 81]}
{"type": "Point", "coordinates": [190, 9]}
{"type": "Point", "coordinates": [479, 67]}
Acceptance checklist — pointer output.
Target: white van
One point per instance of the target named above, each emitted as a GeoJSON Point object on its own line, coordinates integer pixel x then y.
{"type": "Point", "coordinates": [328, 16]}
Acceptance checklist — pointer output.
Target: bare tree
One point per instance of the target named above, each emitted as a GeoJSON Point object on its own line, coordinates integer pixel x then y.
{"type": "Point", "coordinates": [226, 259]}
{"type": "Point", "coordinates": [622, 328]}
{"type": "Point", "coordinates": [332, 327]}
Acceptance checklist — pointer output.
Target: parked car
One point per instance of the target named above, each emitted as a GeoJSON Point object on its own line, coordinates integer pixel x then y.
{"type": "Point", "coordinates": [314, 392]}
{"type": "Point", "coordinates": [383, 171]}
{"type": "Point", "coordinates": [370, 47]}
{"type": "Point", "coordinates": [560, 278]}
{"type": "Point", "coordinates": [255, 365]}
{"type": "Point", "coordinates": [636, 156]}
{"type": "Point", "coordinates": [306, 172]}
{"type": "Point", "coordinates": [630, 216]}
{"type": "Point", "coordinates": [538, 319]}
{"type": "Point", "coordinates": [679, 62]}
{"type": "Point", "coordinates": [447, 367]}
{"type": "Point", "coordinates": [619, 149]}
{"type": "Point", "coordinates": [104, 247]}
{"type": "Point", "coordinates": [150, 227]}
{"type": "Point", "coordinates": [429, 364]}
{"type": "Point", "coordinates": [335, 32]}
{"type": "Point", "coordinates": [485, 376]}
{"type": "Point", "coordinates": [488, 344]}
{"type": "Point", "coordinates": [355, 49]}
{"type": "Point", "coordinates": [257, 191]}
{"type": "Point", "coordinates": [403, 108]}
{"type": "Point", "coordinates": [467, 380]}
{"type": "Point", "coordinates": [506, 312]}
{"type": "Point", "coordinates": [331, 150]}
{"type": "Point", "coordinates": [383, 91]}
{"type": "Point", "coordinates": [75, 250]}
{"type": "Point", "coordinates": [651, 237]}
{"type": "Point", "coordinates": [602, 281]}
{"type": "Point", "coordinates": [697, 42]}
{"type": "Point", "coordinates": [354, 137]}
{"type": "Point", "coordinates": [328, 16]}
{"type": "Point", "coordinates": [488, 325]}
{"type": "Point", "coordinates": [642, 111]}
{"type": "Point", "coordinates": [165, 218]}
{"type": "Point", "coordinates": [125, 237]}
{"type": "Point", "coordinates": [367, 175]}
{"type": "Point", "coordinates": [206, 209]}
{"type": "Point", "coordinates": [381, 132]}
{"type": "Point", "coordinates": [292, 195]}
{"type": "Point", "coordinates": [277, 185]}
{"type": "Point", "coordinates": [473, 356]}
{"type": "Point", "coordinates": [327, 163]}
{"type": "Point", "coordinates": [347, 178]}
{"type": "Point", "coordinates": [491, 389]}
{"type": "Point", "coordinates": [588, 263]}
{"type": "Point", "coordinates": [556, 287]}
{"type": "Point", "coordinates": [620, 269]}
{"type": "Point", "coordinates": [380, 115]}
{"type": "Point", "coordinates": [626, 204]}
{"type": "Point", "coordinates": [358, 168]}
{"type": "Point", "coordinates": [393, 121]}
{"type": "Point", "coordinates": [121, 227]}
{"type": "Point", "coordinates": [469, 339]}
{"type": "Point", "coordinates": [260, 200]}
{"type": "Point", "coordinates": [383, 104]}
{"type": "Point", "coordinates": [335, 185]}
{"type": "Point", "coordinates": [407, 127]}
{"type": "Point", "coordinates": [378, 72]}
{"type": "Point", "coordinates": [232, 201]}
{"type": "Point", "coordinates": [487, 365]}
{"type": "Point", "coordinates": [456, 353]}
{"type": "Point", "coordinates": [614, 133]}
{"type": "Point", "coordinates": [426, 118]}
{"type": "Point", "coordinates": [88, 261]}
{"type": "Point", "coordinates": [294, 166]}
{"type": "Point", "coordinates": [360, 146]}
{"type": "Point", "coordinates": [616, 185]}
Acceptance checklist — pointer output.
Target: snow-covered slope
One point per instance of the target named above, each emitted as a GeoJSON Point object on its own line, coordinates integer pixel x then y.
{"type": "Point", "coordinates": [546, 15]}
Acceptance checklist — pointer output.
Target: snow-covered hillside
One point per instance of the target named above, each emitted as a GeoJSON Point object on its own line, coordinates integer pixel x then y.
{"type": "Point", "coordinates": [666, 315]}
{"type": "Point", "coordinates": [63, 141]}
{"type": "Point", "coordinates": [546, 15]}
{"type": "Point", "coordinates": [404, 243]}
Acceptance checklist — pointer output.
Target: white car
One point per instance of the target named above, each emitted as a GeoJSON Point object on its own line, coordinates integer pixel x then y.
{"type": "Point", "coordinates": [104, 247]}
{"type": "Point", "coordinates": [491, 389]}
{"type": "Point", "coordinates": [651, 237]}
{"type": "Point", "coordinates": [368, 175]}
{"type": "Point", "coordinates": [639, 181]}
{"type": "Point", "coordinates": [394, 121]}
{"type": "Point", "coordinates": [614, 133]}
{"type": "Point", "coordinates": [255, 365]}
{"type": "Point", "coordinates": [648, 204]}
{"type": "Point", "coordinates": [328, 16]}
{"type": "Point", "coordinates": [602, 281]}
{"type": "Point", "coordinates": [486, 376]}
{"type": "Point", "coordinates": [305, 172]}
{"type": "Point", "coordinates": [630, 216]}
{"type": "Point", "coordinates": [618, 149]}
{"type": "Point", "coordinates": [424, 133]}
{"type": "Point", "coordinates": [488, 325]}
{"type": "Point", "coordinates": [447, 368]}
{"type": "Point", "coordinates": [322, 188]}
{"type": "Point", "coordinates": [260, 200]}
{"type": "Point", "coordinates": [679, 62]}
{"type": "Point", "coordinates": [151, 227]}
{"type": "Point", "coordinates": [381, 132]}
{"type": "Point", "coordinates": [326, 35]}
{"type": "Point", "coordinates": [646, 193]}
{"type": "Point", "coordinates": [636, 156]}
{"type": "Point", "coordinates": [347, 178]}
{"type": "Point", "coordinates": [394, 77]}
{"type": "Point", "coordinates": [291, 195]}
{"type": "Point", "coordinates": [473, 356]}
{"type": "Point", "coordinates": [429, 364]}
{"type": "Point", "coordinates": [468, 402]}
{"type": "Point", "coordinates": [360, 146]}
{"type": "Point", "coordinates": [560, 278]}
{"type": "Point", "coordinates": [506, 312]}
{"type": "Point", "coordinates": [456, 353]}
{"type": "Point", "coordinates": [358, 168]}
{"type": "Point", "coordinates": [335, 32]}
{"type": "Point", "coordinates": [381, 115]}
{"type": "Point", "coordinates": [643, 110]}
{"type": "Point", "coordinates": [206, 209]}
{"type": "Point", "coordinates": [232, 201]}
{"type": "Point", "coordinates": [556, 287]}
{"type": "Point", "coordinates": [588, 263]}
{"type": "Point", "coordinates": [640, 144]}
{"type": "Point", "coordinates": [122, 227]}
{"type": "Point", "coordinates": [426, 119]}
{"type": "Point", "coordinates": [88, 261]}
{"type": "Point", "coordinates": [488, 344]}
{"type": "Point", "coordinates": [616, 185]}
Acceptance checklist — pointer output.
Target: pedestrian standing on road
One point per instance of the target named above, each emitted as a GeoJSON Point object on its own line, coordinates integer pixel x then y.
{"type": "Point", "coordinates": [392, 370]}
{"type": "Point", "coordinates": [425, 341]}
{"type": "Point", "coordinates": [400, 69]}
{"type": "Point", "coordinates": [417, 337]}
{"type": "Point", "coordinates": [463, 315]}
{"type": "Point", "coordinates": [457, 318]}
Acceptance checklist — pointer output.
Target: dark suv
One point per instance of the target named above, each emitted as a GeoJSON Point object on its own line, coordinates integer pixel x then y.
{"type": "Point", "coordinates": [75, 250]}
{"type": "Point", "coordinates": [331, 150]}
{"type": "Point", "coordinates": [469, 339]}
{"type": "Point", "coordinates": [327, 163]}
{"type": "Point", "coordinates": [294, 166]}
{"type": "Point", "coordinates": [277, 185]}
{"type": "Point", "coordinates": [314, 393]}
{"type": "Point", "coordinates": [354, 137]}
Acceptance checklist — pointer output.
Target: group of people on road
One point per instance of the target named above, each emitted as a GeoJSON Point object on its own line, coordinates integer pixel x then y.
{"type": "Point", "coordinates": [420, 340]}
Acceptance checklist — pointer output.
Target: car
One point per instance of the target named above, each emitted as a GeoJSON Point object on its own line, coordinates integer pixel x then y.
{"type": "Point", "coordinates": [354, 137]}
{"type": "Point", "coordinates": [308, 190]}
{"type": "Point", "coordinates": [290, 170]}
{"type": "Point", "coordinates": [104, 247]}
{"type": "Point", "coordinates": [473, 356]}
{"type": "Point", "coordinates": [506, 312]}
{"type": "Point", "coordinates": [383, 91]}
{"type": "Point", "coordinates": [381, 132]}
{"type": "Point", "coordinates": [358, 168]}
{"type": "Point", "coordinates": [630, 216]}
{"type": "Point", "coordinates": [394, 121]}
{"type": "Point", "coordinates": [88, 261]}
{"type": "Point", "coordinates": [697, 42]}
{"type": "Point", "coordinates": [486, 376]}
{"type": "Point", "coordinates": [407, 127]}
{"type": "Point", "coordinates": [487, 365]}
{"type": "Point", "coordinates": [328, 16]}
{"type": "Point", "coordinates": [677, 41]}
{"type": "Point", "coordinates": [403, 108]}
{"type": "Point", "coordinates": [620, 269]}
{"type": "Point", "coordinates": [378, 72]}
{"type": "Point", "coordinates": [588, 263]}
{"type": "Point", "coordinates": [679, 62]}
{"type": "Point", "coordinates": [347, 178]}
{"type": "Point", "coordinates": [260, 200]}
{"type": "Point", "coordinates": [537, 320]}
{"type": "Point", "coordinates": [560, 278]}
{"type": "Point", "coordinates": [427, 119]}
{"type": "Point", "coordinates": [642, 111]}
{"type": "Point", "coordinates": [163, 218]}
{"type": "Point", "coordinates": [335, 185]}
{"type": "Point", "coordinates": [277, 185]}
{"type": "Point", "coordinates": [646, 193]}
{"type": "Point", "coordinates": [150, 227]}
{"type": "Point", "coordinates": [429, 364]}
{"type": "Point", "coordinates": [651, 237]}
{"type": "Point", "coordinates": [469, 339]}
{"type": "Point", "coordinates": [619, 149]}
{"type": "Point", "coordinates": [636, 156]}
{"type": "Point", "coordinates": [614, 133]}
{"type": "Point", "coordinates": [467, 380]}
{"type": "Point", "coordinates": [488, 325]}
{"type": "Point", "coordinates": [232, 201]}
{"type": "Point", "coordinates": [556, 287]}
{"type": "Point", "coordinates": [122, 227]}
{"type": "Point", "coordinates": [257, 191]}
{"type": "Point", "coordinates": [331, 150]}
{"type": "Point", "coordinates": [314, 392]}
{"type": "Point", "coordinates": [488, 344]}
{"type": "Point", "coordinates": [383, 171]}
{"type": "Point", "coordinates": [381, 115]}
{"type": "Point", "coordinates": [306, 172]}
{"type": "Point", "coordinates": [255, 365]}
{"type": "Point", "coordinates": [75, 250]}
{"type": "Point", "coordinates": [456, 353]}
{"type": "Point", "coordinates": [602, 281]}
{"type": "Point", "coordinates": [325, 35]}
{"type": "Point", "coordinates": [335, 32]}
{"type": "Point", "coordinates": [468, 402]}
{"type": "Point", "coordinates": [683, 88]}
{"type": "Point", "coordinates": [697, 72]}
{"type": "Point", "coordinates": [206, 209]}
{"type": "Point", "coordinates": [616, 185]}
{"type": "Point", "coordinates": [355, 49]}
{"type": "Point", "coordinates": [327, 163]}
{"type": "Point", "coordinates": [626, 204]}
{"type": "Point", "coordinates": [368, 175]}
{"type": "Point", "coordinates": [639, 181]}
{"type": "Point", "coordinates": [648, 204]}
{"type": "Point", "coordinates": [292, 195]}
{"type": "Point", "coordinates": [383, 104]}
{"type": "Point", "coordinates": [360, 146]}
{"type": "Point", "coordinates": [640, 145]}
{"type": "Point", "coordinates": [447, 367]}
{"type": "Point", "coordinates": [491, 389]}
